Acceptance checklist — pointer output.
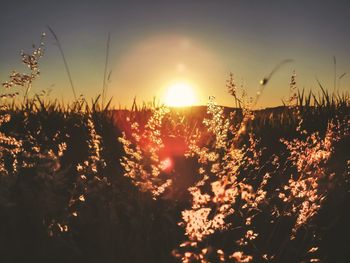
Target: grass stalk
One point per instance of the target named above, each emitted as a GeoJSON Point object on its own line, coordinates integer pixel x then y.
{"type": "Point", "coordinates": [104, 87]}
{"type": "Point", "coordinates": [64, 60]}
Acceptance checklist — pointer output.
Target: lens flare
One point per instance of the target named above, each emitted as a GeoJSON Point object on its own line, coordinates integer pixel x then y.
{"type": "Point", "coordinates": [166, 165]}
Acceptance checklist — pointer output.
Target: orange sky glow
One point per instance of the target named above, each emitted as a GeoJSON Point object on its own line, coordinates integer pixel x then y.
{"type": "Point", "coordinates": [156, 44]}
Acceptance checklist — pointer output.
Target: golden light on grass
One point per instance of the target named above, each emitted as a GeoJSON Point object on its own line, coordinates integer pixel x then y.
{"type": "Point", "coordinates": [180, 94]}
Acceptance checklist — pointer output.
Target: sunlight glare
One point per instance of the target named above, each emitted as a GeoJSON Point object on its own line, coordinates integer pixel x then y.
{"type": "Point", "coordinates": [180, 94]}
{"type": "Point", "coordinates": [166, 165]}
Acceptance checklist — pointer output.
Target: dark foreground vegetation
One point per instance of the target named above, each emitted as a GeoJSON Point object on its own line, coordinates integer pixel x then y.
{"type": "Point", "coordinates": [67, 192]}
{"type": "Point", "coordinates": [83, 183]}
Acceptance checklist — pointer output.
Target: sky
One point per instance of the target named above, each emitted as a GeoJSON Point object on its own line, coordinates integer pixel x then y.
{"type": "Point", "coordinates": [155, 44]}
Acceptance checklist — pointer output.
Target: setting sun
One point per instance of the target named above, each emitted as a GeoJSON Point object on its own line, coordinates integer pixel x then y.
{"type": "Point", "coordinates": [180, 94]}
{"type": "Point", "coordinates": [175, 131]}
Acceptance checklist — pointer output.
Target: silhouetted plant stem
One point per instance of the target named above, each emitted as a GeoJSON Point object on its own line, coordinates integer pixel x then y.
{"type": "Point", "coordinates": [104, 87]}
{"type": "Point", "coordinates": [64, 61]}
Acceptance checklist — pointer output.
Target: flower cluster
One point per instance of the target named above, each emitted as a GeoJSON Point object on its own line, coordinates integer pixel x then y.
{"type": "Point", "coordinates": [221, 192]}
{"type": "Point", "coordinates": [89, 178]}
{"type": "Point", "coordinates": [31, 61]}
{"type": "Point", "coordinates": [142, 161]}
{"type": "Point", "coordinates": [303, 193]}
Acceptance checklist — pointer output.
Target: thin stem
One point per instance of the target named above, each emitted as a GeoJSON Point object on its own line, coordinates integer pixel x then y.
{"type": "Point", "coordinates": [335, 73]}
{"type": "Point", "coordinates": [104, 88]}
{"type": "Point", "coordinates": [64, 60]}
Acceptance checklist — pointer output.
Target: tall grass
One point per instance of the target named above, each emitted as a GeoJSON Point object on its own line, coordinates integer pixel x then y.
{"type": "Point", "coordinates": [246, 194]}
{"type": "Point", "coordinates": [85, 183]}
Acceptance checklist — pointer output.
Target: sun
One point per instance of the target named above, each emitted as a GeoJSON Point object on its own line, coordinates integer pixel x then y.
{"type": "Point", "coordinates": [180, 94]}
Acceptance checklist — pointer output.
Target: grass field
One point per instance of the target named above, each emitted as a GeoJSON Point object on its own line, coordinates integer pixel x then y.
{"type": "Point", "coordinates": [85, 183]}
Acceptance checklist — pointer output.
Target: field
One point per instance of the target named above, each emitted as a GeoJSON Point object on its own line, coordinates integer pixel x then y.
{"type": "Point", "coordinates": [84, 182]}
